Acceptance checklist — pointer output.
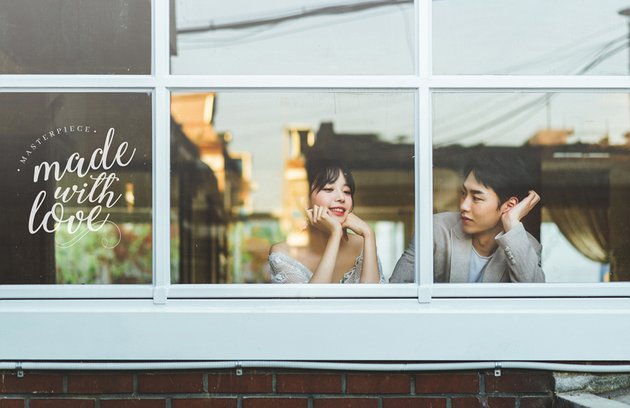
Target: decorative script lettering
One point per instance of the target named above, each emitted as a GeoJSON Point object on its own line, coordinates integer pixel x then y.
{"type": "Point", "coordinates": [93, 192]}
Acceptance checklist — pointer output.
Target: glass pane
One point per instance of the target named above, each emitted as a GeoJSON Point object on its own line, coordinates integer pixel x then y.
{"type": "Point", "coordinates": [240, 181]}
{"type": "Point", "coordinates": [75, 37]}
{"type": "Point", "coordinates": [572, 149]}
{"type": "Point", "coordinates": [533, 37]}
{"type": "Point", "coordinates": [289, 37]}
{"type": "Point", "coordinates": [76, 201]}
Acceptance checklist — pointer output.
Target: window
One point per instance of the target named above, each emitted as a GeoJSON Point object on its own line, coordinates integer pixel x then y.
{"type": "Point", "coordinates": [239, 178]}
{"type": "Point", "coordinates": [75, 37]}
{"type": "Point", "coordinates": [77, 194]}
{"type": "Point", "coordinates": [576, 149]}
{"type": "Point", "coordinates": [211, 110]}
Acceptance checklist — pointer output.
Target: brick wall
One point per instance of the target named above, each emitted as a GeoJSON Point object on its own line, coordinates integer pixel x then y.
{"type": "Point", "coordinates": [276, 389]}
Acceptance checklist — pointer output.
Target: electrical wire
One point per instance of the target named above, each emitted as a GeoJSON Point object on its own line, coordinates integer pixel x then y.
{"type": "Point", "coordinates": [314, 365]}
{"type": "Point", "coordinates": [604, 54]}
{"type": "Point", "coordinates": [325, 10]}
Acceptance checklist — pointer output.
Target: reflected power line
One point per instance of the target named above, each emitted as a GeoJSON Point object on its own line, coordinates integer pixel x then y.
{"type": "Point", "coordinates": [320, 11]}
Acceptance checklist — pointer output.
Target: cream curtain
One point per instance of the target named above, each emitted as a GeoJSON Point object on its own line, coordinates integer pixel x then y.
{"type": "Point", "coordinates": [578, 203]}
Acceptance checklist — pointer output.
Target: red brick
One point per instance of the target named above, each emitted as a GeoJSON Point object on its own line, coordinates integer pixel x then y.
{"type": "Point", "coordinates": [501, 402]}
{"type": "Point", "coordinates": [100, 384]}
{"type": "Point", "coordinates": [62, 403]}
{"type": "Point", "coordinates": [247, 383]}
{"type": "Point", "coordinates": [205, 403]}
{"type": "Point", "coordinates": [409, 402]}
{"type": "Point", "coordinates": [170, 383]}
{"type": "Point", "coordinates": [523, 381]}
{"type": "Point", "coordinates": [31, 384]}
{"type": "Point", "coordinates": [11, 403]}
{"type": "Point", "coordinates": [536, 402]}
{"type": "Point", "coordinates": [378, 384]}
{"type": "Point", "coordinates": [346, 403]}
{"type": "Point", "coordinates": [308, 383]}
{"type": "Point", "coordinates": [144, 403]}
{"type": "Point", "coordinates": [483, 402]}
{"type": "Point", "coordinates": [275, 402]}
{"type": "Point", "coordinates": [437, 383]}
{"type": "Point", "coordinates": [468, 402]}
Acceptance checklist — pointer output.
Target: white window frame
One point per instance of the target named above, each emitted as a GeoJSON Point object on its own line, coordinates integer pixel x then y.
{"type": "Point", "coordinates": [393, 322]}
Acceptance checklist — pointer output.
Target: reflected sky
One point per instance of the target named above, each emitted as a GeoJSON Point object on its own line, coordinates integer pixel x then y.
{"type": "Point", "coordinates": [512, 118]}
{"type": "Point", "coordinates": [257, 122]}
{"type": "Point", "coordinates": [586, 37]}
{"type": "Point", "coordinates": [285, 37]}
{"type": "Point", "coordinates": [540, 37]}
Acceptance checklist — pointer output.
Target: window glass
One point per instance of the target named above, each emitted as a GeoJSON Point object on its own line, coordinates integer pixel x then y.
{"type": "Point", "coordinates": [239, 175]}
{"type": "Point", "coordinates": [572, 149]}
{"type": "Point", "coordinates": [533, 37]}
{"type": "Point", "coordinates": [289, 37]}
{"type": "Point", "coordinates": [76, 188]}
{"type": "Point", "coordinates": [75, 37]}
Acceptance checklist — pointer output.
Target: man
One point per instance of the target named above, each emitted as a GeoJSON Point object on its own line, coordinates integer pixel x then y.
{"type": "Point", "coordinates": [485, 241]}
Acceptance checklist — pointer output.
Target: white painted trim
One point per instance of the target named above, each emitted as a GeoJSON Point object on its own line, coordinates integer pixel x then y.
{"type": "Point", "coordinates": [75, 291]}
{"type": "Point", "coordinates": [197, 82]}
{"type": "Point", "coordinates": [76, 83]}
{"type": "Point", "coordinates": [403, 290]}
{"type": "Point", "coordinates": [540, 290]}
{"type": "Point", "coordinates": [161, 154]}
{"type": "Point", "coordinates": [538, 83]}
{"type": "Point", "coordinates": [305, 291]}
{"type": "Point", "coordinates": [131, 83]}
{"type": "Point", "coordinates": [345, 330]}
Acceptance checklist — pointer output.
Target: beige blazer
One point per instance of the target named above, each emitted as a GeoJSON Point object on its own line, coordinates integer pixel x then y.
{"type": "Point", "coordinates": [517, 259]}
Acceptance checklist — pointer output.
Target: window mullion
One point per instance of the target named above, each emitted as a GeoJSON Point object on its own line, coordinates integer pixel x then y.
{"type": "Point", "coordinates": [423, 152]}
{"type": "Point", "coordinates": [161, 152]}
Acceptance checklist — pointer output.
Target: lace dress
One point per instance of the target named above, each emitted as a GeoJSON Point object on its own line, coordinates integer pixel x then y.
{"type": "Point", "coordinates": [285, 269]}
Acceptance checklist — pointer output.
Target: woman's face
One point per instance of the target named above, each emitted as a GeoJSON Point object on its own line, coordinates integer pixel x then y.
{"type": "Point", "coordinates": [335, 196]}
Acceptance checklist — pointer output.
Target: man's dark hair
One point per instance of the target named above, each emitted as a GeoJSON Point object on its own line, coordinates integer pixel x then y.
{"type": "Point", "coordinates": [326, 171]}
{"type": "Point", "coordinates": [507, 173]}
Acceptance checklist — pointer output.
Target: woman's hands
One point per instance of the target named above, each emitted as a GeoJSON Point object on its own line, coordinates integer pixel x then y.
{"type": "Point", "coordinates": [320, 218]}
{"type": "Point", "coordinates": [357, 225]}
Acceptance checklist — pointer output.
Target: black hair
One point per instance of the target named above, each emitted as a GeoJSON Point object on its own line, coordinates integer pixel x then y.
{"type": "Point", "coordinates": [326, 171]}
{"type": "Point", "coordinates": [505, 172]}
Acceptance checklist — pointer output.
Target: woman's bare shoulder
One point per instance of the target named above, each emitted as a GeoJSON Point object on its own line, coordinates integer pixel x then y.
{"type": "Point", "coordinates": [280, 247]}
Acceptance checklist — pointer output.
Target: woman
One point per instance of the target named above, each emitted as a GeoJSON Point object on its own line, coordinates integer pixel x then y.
{"type": "Point", "coordinates": [331, 254]}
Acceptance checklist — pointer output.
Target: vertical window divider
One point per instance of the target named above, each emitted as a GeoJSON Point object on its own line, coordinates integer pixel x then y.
{"type": "Point", "coordinates": [161, 151]}
{"type": "Point", "coordinates": [423, 159]}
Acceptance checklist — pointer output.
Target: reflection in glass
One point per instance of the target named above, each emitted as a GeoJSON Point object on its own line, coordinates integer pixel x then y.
{"type": "Point", "coordinates": [578, 144]}
{"type": "Point", "coordinates": [534, 37]}
{"type": "Point", "coordinates": [239, 183]}
{"type": "Point", "coordinates": [288, 37]}
{"type": "Point", "coordinates": [76, 191]}
{"type": "Point", "coordinates": [75, 37]}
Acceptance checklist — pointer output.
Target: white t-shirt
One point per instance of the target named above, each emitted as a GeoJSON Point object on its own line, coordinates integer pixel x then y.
{"type": "Point", "coordinates": [477, 266]}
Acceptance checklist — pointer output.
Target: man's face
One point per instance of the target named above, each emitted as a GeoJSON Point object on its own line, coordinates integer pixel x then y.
{"type": "Point", "coordinates": [478, 206]}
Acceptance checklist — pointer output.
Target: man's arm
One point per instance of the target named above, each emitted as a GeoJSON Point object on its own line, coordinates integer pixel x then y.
{"type": "Point", "coordinates": [404, 271]}
{"type": "Point", "coordinates": [523, 253]}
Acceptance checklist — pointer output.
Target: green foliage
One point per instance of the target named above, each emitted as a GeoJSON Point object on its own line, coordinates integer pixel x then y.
{"type": "Point", "coordinates": [92, 260]}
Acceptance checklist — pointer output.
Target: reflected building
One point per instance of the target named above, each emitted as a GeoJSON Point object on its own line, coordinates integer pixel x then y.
{"type": "Point", "coordinates": [210, 190]}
